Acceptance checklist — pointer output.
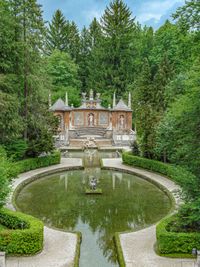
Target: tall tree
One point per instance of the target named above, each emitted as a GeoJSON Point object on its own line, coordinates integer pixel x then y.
{"type": "Point", "coordinates": [85, 54]}
{"type": "Point", "coordinates": [57, 33]}
{"type": "Point", "coordinates": [22, 80]}
{"type": "Point", "coordinates": [189, 15]}
{"type": "Point", "coordinates": [161, 79]}
{"type": "Point", "coordinates": [113, 56]}
{"type": "Point", "coordinates": [73, 41]}
{"type": "Point", "coordinates": [63, 73]}
{"type": "Point", "coordinates": [145, 114]}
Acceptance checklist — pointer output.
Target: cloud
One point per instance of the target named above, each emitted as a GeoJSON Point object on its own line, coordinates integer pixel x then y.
{"type": "Point", "coordinates": [149, 12]}
{"type": "Point", "coordinates": [154, 10]}
{"type": "Point", "coordinates": [89, 15]}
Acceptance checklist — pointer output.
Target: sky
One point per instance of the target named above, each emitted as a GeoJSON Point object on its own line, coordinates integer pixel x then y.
{"type": "Point", "coordinates": [147, 12]}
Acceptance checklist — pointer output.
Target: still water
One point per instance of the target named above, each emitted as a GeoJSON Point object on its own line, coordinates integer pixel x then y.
{"type": "Point", "coordinates": [128, 203]}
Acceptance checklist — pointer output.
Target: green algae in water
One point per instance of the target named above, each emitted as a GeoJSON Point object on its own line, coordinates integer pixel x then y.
{"type": "Point", "coordinates": [128, 203]}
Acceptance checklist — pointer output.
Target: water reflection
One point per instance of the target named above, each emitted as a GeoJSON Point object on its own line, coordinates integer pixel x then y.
{"type": "Point", "coordinates": [127, 203]}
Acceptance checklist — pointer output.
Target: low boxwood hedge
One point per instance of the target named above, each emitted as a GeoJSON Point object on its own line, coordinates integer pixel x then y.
{"type": "Point", "coordinates": [23, 234]}
{"type": "Point", "coordinates": [120, 255]}
{"type": "Point", "coordinates": [78, 246]}
{"type": "Point", "coordinates": [34, 163]}
{"type": "Point", "coordinates": [175, 242]}
{"type": "Point", "coordinates": [184, 178]}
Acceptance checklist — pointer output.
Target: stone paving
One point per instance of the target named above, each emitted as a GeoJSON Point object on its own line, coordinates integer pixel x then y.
{"type": "Point", "coordinates": [59, 246]}
{"type": "Point", "coordinates": [138, 246]}
{"type": "Point", "coordinates": [59, 251]}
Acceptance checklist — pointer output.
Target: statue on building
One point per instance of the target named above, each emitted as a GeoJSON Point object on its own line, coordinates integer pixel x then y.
{"type": "Point", "coordinates": [83, 96]}
{"type": "Point", "coordinates": [121, 122]}
{"type": "Point", "coordinates": [91, 119]}
{"type": "Point", "coordinates": [91, 95]}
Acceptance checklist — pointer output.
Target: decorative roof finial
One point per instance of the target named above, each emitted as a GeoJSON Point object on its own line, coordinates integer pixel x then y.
{"type": "Point", "coordinates": [114, 100]}
{"type": "Point", "coordinates": [91, 95]}
{"type": "Point", "coordinates": [49, 98]}
{"type": "Point", "coordinates": [129, 100]}
{"type": "Point", "coordinates": [83, 96]}
{"type": "Point", "coordinates": [66, 99]}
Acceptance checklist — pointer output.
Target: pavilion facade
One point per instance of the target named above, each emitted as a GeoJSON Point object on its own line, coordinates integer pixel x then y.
{"type": "Point", "coordinates": [91, 119]}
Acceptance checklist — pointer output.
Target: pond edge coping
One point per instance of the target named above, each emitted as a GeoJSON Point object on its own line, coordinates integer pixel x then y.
{"type": "Point", "coordinates": [26, 178]}
{"type": "Point", "coordinates": [173, 194]}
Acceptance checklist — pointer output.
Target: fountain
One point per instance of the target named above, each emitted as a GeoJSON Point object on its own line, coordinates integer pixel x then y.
{"type": "Point", "coordinates": [128, 203]}
{"type": "Point", "coordinates": [90, 143]}
{"type": "Point", "coordinates": [93, 187]}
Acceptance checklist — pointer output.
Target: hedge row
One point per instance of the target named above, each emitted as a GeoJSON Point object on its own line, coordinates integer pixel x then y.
{"type": "Point", "coordinates": [173, 242]}
{"type": "Point", "coordinates": [184, 178]}
{"type": "Point", "coordinates": [24, 235]}
{"type": "Point", "coordinates": [78, 246]}
{"type": "Point", "coordinates": [120, 255]}
{"type": "Point", "coordinates": [34, 163]}
{"type": "Point", "coordinates": [170, 242]}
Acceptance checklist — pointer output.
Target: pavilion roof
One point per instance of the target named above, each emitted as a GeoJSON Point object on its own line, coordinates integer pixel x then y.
{"type": "Point", "coordinates": [59, 105]}
{"type": "Point", "coordinates": [121, 106]}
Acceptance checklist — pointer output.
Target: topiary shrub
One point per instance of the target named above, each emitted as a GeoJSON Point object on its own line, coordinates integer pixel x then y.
{"type": "Point", "coordinates": [169, 242]}
{"type": "Point", "coordinates": [34, 163]}
{"type": "Point", "coordinates": [23, 235]}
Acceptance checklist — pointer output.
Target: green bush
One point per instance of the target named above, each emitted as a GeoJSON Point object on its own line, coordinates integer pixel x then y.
{"type": "Point", "coordinates": [16, 150]}
{"type": "Point", "coordinates": [24, 234]}
{"type": "Point", "coordinates": [120, 255]}
{"type": "Point", "coordinates": [184, 178]}
{"type": "Point", "coordinates": [172, 242]}
{"type": "Point", "coordinates": [78, 245]}
{"type": "Point", "coordinates": [34, 163]}
{"type": "Point", "coordinates": [4, 184]}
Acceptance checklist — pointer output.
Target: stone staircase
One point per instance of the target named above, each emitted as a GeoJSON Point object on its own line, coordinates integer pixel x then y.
{"type": "Point", "coordinates": [97, 132]}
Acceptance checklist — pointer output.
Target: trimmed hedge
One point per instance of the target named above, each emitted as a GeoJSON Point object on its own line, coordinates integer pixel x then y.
{"type": "Point", "coordinates": [24, 235]}
{"type": "Point", "coordinates": [184, 178]}
{"type": "Point", "coordinates": [78, 245]}
{"type": "Point", "coordinates": [120, 255]}
{"type": "Point", "coordinates": [34, 163]}
{"type": "Point", "coordinates": [175, 242]}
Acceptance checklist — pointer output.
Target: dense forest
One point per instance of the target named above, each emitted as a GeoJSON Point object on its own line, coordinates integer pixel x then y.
{"type": "Point", "coordinates": [115, 54]}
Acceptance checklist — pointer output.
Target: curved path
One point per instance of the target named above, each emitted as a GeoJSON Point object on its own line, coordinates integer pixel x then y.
{"type": "Point", "coordinates": [138, 247]}
{"type": "Point", "coordinates": [59, 247]}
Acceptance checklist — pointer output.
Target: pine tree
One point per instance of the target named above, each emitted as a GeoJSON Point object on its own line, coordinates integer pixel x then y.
{"type": "Point", "coordinates": [90, 40]}
{"type": "Point", "coordinates": [73, 38]}
{"type": "Point", "coordinates": [162, 78]}
{"type": "Point", "coordinates": [23, 78]}
{"type": "Point", "coordinates": [95, 32]}
{"type": "Point", "coordinates": [85, 53]}
{"type": "Point", "coordinates": [145, 116]}
{"type": "Point", "coordinates": [57, 33]}
{"type": "Point", "coordinates": [113, 56]}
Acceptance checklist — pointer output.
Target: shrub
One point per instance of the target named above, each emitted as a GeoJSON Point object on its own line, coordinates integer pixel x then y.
{"type": "Point", "coordinates": [24, 235]}
{"type": "Point", "coordinates": [188, 216]}
{"type": "Point", "coordinates": [34, 163]}
{"type": "Point", "coordinates": [17, 149]}
{"type": "Point", "coordinates": [184, 178]}
{"type": "Point", "coordinates": [4, 184]}
{"type": "Point", "coordinates": [120, 255]}
{"type": "Point", "coordinates": [172, 242]}
{"type": "Point", "coordinates": [135, 148]}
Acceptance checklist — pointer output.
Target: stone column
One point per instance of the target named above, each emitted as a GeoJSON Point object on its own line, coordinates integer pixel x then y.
{"type": "Point", "coordinates": [2, 259]}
